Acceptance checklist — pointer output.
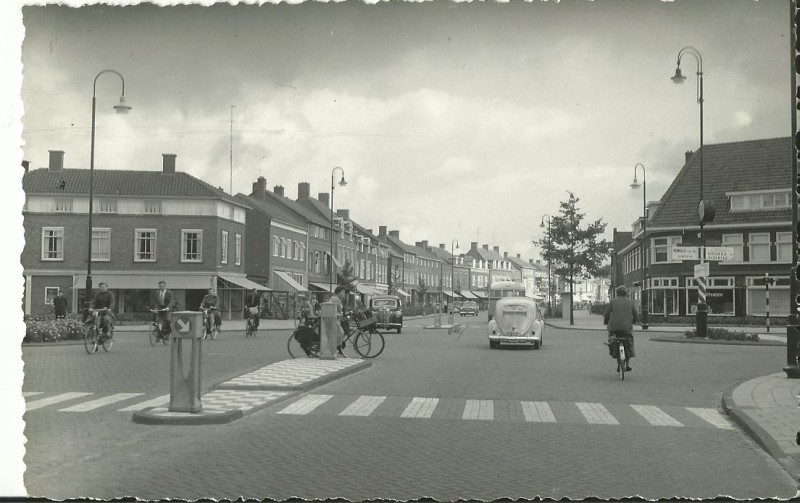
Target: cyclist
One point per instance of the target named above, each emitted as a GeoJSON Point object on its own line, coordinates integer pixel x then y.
{"type": "Point", "coordinates": [166, 301]}
{"type": "Point", "coordinates": [306, 312]}
{"type": "Point", "coordinates": [619, 316]}
{"type": "Point", "coordinates": [253, 301]}
{"type": "Point", "coordinates": [211, 300]}
{"type": "Point", "coordinates": [104, 299]}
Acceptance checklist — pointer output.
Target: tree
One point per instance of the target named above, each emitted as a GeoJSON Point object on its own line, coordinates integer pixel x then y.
{"type": "Point", "coordinates": [346, 277]}
{"type": "Point", "coordinates": [394, 280]}
{"type": "Point", "coordinates": [422, 288]}
{"type": "Point", "coordinates": [573, 250]}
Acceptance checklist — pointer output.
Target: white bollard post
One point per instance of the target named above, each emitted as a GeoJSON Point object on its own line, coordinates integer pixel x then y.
{"type": "Point", "coordinates": [328, 331]}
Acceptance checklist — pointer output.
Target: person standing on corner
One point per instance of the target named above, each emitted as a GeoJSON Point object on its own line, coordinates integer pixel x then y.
{"type": "Point", "coordinates": [60, 305]}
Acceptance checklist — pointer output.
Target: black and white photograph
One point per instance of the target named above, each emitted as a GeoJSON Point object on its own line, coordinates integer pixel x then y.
{"type": "Point", "coordinates": [394, 250]}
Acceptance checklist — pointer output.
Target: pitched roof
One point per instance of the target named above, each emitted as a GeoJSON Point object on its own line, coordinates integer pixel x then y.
{"type": "Point", "coordinates": [441, 254]}
{"type": "Point", "coordinates": [484, 254]}
{"type": "Point", "coordinates": [285, 209]}
{"type": "Point", "coordinates": [728, 167]}
{"type": "Point", "coordinates": [112, 182]}
{"type": "Point", "coordinates": [521, 263]}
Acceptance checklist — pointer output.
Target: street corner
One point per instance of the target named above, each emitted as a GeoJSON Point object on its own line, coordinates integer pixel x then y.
{"type": "Point", "coordinates": [299, 374]}
{"type": "Point", "coordinates": [163, 416]}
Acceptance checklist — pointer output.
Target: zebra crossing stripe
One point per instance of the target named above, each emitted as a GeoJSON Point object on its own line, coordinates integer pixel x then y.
{"type": "Point", "coordinates": [44, 402]}
{"type": "Point", "coordinates": [155, 402]}
{"type": "Point", "coordinates": [364, 406]}
{"type": "Point", "coordinates": [306, 404]}
{"type": "Point", "coordinates": [479, 409]}
{"type": "Point", "coordinates": [420, 407]}
{"type": "Point", "coordinates": [596, 413]}
{"type": "Point", "coordinates": [538, 412]}
{"type": "Point", "coordinates": [656, 416]}
{"type": "Point", "coordinates": [100, 402]}
{"type": "Point", "coordinates": [26, 394]}
{"type": "Point", "coordinates": [711, 416]}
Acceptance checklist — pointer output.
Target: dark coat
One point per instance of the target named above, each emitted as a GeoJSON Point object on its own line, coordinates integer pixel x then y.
{"type": "Point", "coordinates": [621, 314]}
{"type": "Point", "coordinates": [60, 305]}
{"type": "Point", "coordinates": [169, 299]}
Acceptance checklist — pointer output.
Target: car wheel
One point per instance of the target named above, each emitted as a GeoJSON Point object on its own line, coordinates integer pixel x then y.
{"type": "Point", "coordinates": [535, 345]}
{"type": "Point", "coordinates": [399, 330]}
{"type": "Point", "coordinates": [493, 344]}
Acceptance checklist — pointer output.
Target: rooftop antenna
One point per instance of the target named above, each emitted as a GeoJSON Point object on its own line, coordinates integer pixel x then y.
{"type": "Point", "coordinates": [231, 182]}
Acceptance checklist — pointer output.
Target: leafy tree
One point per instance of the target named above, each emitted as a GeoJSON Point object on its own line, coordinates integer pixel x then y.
{"type": "Point", "coordinates": [346, 277]}
{"type": "Point", "coordinates": [572, 249]}
{"type": "Point", "coordinates": [422, 288]}
{"type": "Point", "coordinates": [394, 280]}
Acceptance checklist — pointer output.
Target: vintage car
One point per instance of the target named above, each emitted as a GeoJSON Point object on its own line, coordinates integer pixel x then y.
{"type": "Point", "coordinates": [388, 309]}
{"type": "Point", "coordinates": [469, 308]}
{"type": "Point", "coordinates": [516, 321]}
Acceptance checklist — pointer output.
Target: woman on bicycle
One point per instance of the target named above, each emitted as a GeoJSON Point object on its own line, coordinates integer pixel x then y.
{"type": "Point", "coordinates": [619, 316]}
{"type": "Point", "coordinates": [253, 305]}
{"type": "Point", "coordinates": [211, 300]}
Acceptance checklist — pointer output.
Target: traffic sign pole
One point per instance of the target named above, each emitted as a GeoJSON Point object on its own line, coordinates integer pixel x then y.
{"type": "Point", "coordinates": [702, 309]}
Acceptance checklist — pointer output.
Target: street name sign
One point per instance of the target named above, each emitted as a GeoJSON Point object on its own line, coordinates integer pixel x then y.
{"type": "Point", "coordinates": [685, 253]}
{"type": "Point", "coordinates": [719, 253]}
{"type": "Point", "coordinates": [701, 270]}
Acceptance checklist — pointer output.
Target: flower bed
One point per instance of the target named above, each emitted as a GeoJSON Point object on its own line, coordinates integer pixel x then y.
{"type": "Point", "coordinates": [715, 333]}
{"type": "Point", "coordinates": [48, 329]}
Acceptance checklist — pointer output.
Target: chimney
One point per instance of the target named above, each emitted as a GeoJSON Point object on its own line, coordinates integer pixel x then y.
{"type": "Point", "coordinates": [486, 247]}
{"type": "Point", "coordinates": [441, 245]}
{"type": "Point", "coordinates": [169, 164]}
{"type": "Point", "coordinates": [530, 261]}
{"type": "Point", "coordinates": [395, 234]}
{"type": "Point", "coordinates": [418, 244]}
{"type": "Point", "coordinates": [303, 191]}
{"type": "Point", "coordinates": [538, 262]}
{"type": "Point", "coordinates": [278, 190]}
{"type": "Point", "coordinates": [343, 213]}
{"type": "Point", "coordinates": [496, 249]}
{"type": "Point", "coordinates": [505, 255]}
{"type": "Point", "coordinates": [518, 255]}
{"type": "Point", "coordinates": [473, 245]}
{"type": "Point", "coordinates": [56, 160]}
{"type": "Point", "coordinates": [324, 198]}
{"type": "Point", "coordinates": [381, 231]}
{"type": "Point", "coordinates": [688, 155]}
{"type": "Point", "coordinates": [260, 189]}
{"type": "Point", "coordinates": [26, 165]}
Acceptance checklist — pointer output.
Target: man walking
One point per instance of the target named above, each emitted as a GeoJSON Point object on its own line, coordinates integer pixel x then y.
{"type": "Point", "coordinates": [60, 305]}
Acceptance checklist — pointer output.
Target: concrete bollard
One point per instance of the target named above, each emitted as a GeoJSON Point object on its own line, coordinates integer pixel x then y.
{"type": "Point", "coordinates": [329, 322]}
{"type": "Point", "coordinates": [184, 396]}
{"type": "Point", "coordinates": [437, 319]}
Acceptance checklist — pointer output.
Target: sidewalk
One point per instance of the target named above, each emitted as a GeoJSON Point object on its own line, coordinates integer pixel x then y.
{"type": "Point", "coordinates": [766, 408]}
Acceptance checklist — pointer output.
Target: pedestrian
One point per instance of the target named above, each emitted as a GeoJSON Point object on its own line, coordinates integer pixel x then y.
{"type": "Point", "coordinates": [339, 298]}
{"type": "Point", "coordinates": [165, 301]}
{"type": "Point", "coordinates": [60, 305]}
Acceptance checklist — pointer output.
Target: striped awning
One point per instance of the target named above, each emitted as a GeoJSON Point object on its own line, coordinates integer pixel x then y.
{"type": "Point", "coordinates": [366, 289]}
{"type": "Point", "coordinates": [320, 286]}
{"type": "Point", "coordinates": [478, 295]}
{"type": "Point", "coordinates": [468, 295]}
{"type": "Point", "coordinates": [242, 282]}
{"type": "Point", "coordinates": [146, 281]}
{"type": "Point", "coordinates": [450, 293]}
{"type": "Point", "coordinates": [288, 283]}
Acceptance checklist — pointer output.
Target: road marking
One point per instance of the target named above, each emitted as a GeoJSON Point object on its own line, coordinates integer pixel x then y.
{"type": "Point", "coordinates": [44, 402]}
{"type": "Point", "coordinates": [155, 402]}
{"type": "Point", "coordinates": [420, 407]}
{"type": "Point", "coordinates": [306, 404]}
{"type": "Point", "coordinates": [596, 413]}
{"type": "Point", "coordinates": [538, 412]}
{"type": "Point", "coordinates": [364, 406]}
{"type": "Point", "coordinates": [656, 416]}
{"type": "Point", "coordinates": [479, 409]}
{"type": "Point", "coordinates": [712, 416]}
{"type": "Point", "coordinates": [100, 402]}
{"type": "Point", "coordinates": [31, 393]}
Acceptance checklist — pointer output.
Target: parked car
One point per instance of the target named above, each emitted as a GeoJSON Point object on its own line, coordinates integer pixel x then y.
{"type": "Point", "coordinates": [516, 321]}
{"type": "Point", "coordinates": [455, 307]}
{"type": "Point", "coordinates": [469, 308]}
{"type": "Point", "coordinates": [388, 309]}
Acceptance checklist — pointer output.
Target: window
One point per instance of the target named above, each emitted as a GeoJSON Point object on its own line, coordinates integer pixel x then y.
{"type": "Point", "coordinates": [784, 246]}
{"type": "Point", "coordinates": [735, 241]}
{"type": "Point", "coordinates": [52, 243]}
{"type": "Point", "coordinates": [101, 245]}
{"type": "Point", "coordinates": [302, 252]}
{"type": "Point", "coordinates": [759, 247]}
{"type": "Point", "coordinates": [50, 294]}
{"type": "Point", "coordinates": [316, 262]}
{"type": "Point", "coordinates": [276, 246]}
{"type": "Point", "coordinates": [283, 248]}
{"type": "Point", "coordinates": [223, 256]}
{"type": "Point", "coordinates": [762, 201]}
{"type": "Point", "coordinates": [151, 207]}
{"type": "Point", "coordinates": [107, 206]}
{"type": "Point", "coordinates": [62, 205]}
{"type": "Point", "coordinates": [661, 249]}
{"type": "Point", "coordinates": [238, 249]}
{"type": "Point", "coordinates": [191, 245]}
{"type": "Point", "coordinates": [145, 245]}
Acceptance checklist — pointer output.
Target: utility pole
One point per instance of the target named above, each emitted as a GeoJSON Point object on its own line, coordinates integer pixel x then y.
{"type": "Point", "coordinates": [231, 160]}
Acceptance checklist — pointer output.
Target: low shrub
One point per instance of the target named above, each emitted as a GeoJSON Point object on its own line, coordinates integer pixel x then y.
{"type": "Point", "coordinates": [716, 333]}
{"type": "Point", "coordinates": [48, 329]}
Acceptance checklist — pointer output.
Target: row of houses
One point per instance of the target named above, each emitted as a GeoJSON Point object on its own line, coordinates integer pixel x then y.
{"type": "Point", "coordinates": [749, 184]}
{"type": "Point", "coordinates": [149, 226]}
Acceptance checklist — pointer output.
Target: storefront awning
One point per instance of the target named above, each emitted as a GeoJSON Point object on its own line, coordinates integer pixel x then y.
{"type": "Point", "coordinates": [366, 289]}
{"type": "Point", "coordinates": [478, 295]}
{"type": "Point", "coordinates": [242, 282]}
{"type": "Point", "coordinates": [325, 287]}
{"type": "Point", "coordinates": [403, 293]}
{"type": "Point", "coordinates": [144, 281]}
{"type": "Point", "coordinates": [290, 283]}
{"type": "Point", "coordinates": [468, 295]}
{"type": "Point", "coordinates": [450, 293]}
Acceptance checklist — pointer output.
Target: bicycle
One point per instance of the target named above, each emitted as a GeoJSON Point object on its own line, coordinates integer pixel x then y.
{"type": "Point", "coordinates": [97, 335]}
{"type": "Point", "coordinates": [250, 328]}
{"type": "Point", "coordinates": [160, 329]}
{"type": "Point", "coordinates": [619, 349]}
{"type": "Point", "coordinates": [210, 329]}
{"type": "Point", "coordinates": [362, 340]}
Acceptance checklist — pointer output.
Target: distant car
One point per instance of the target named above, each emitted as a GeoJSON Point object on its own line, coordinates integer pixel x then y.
{"type": "Point", "coordinates": [388, 309]}
{"type": "Point", "coordinates": [455, 307]}
{"type": "Point", "coordinates": [516, 321]}
{"type": "Point", "coordinates": [469, 308]}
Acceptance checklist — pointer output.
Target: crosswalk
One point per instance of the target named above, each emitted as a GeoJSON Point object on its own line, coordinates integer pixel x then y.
{"type": "Point", "coordinates": [421, 408]}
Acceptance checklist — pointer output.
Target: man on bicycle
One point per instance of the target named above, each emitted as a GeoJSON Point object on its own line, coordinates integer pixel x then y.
{"type": "Point", "coordinates": [619, 316]}
{"type": "Point", "coordinates": [211, 300]}
{"type": "Point", "coordinates": [306, 312]}
{"type": "Point", "coordinates": [165, 301]}
{"type": "Point", "coordinates": [104, 299]}
{"type": "Point", "coordinates": [253, 305]}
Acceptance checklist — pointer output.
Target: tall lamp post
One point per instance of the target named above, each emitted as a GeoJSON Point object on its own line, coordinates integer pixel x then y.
{"type": "Point", "coordinates": [342, 183]}
{"type": "Point", "coordinates": [635, 185]}
{"type": "Point", "coordinates": [121, 108]}
{"type": "Point", "coordinates": [704, 210]}
{"type": "Point", "coordinates": [549, 245]}
{"type": "Point", "coordinates": [453, 246]}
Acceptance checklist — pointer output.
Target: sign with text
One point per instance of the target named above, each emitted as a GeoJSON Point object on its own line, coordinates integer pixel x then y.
{"type": "Point", "coordinates": [701, 270]}
{"type": "Point", "coordinates": [685, 253]}
{"type": "Point", "coordinates": [719, 253]}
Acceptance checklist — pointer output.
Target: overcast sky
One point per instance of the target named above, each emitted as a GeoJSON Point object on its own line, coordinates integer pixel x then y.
{"type": "Point", "coordinates": [451, 120]}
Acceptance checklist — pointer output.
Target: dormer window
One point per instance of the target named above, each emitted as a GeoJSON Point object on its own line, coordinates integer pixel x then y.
{"type": "Point", "coordinates": [107, 206]}
{"type": "Point", "coordinates": [760, 200]}
{"type": "Point", "coordinates": [62, 205]}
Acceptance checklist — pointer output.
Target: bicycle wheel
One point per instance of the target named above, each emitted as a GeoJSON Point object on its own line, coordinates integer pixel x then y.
{"type": "Point", "coordinates": [377, 343]}
{"type": "Point", "coordinates": [297, 351]}
{"type": "Point", "coordinates": [214, 332]}
{"type": "Point", "coordinates": [621, 362]}
{"type": "Point", "coordinates": [153, 334]}
{"type": "Point", "coordinates": [107, 343]}
{"type": "Point", "coordinates": [90, 339]}
{"type": "Point", "coordinates": [248, 329]}
{"type": "Point", "coordinates": [362, 343]}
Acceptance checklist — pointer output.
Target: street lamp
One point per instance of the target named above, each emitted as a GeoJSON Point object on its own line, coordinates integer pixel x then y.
{"type": "Point", "coordinates": [549, 245]}
{"type": "Point", "coordinates": [121, 108]}
{"type": "Point", "coordinates": [705, 211]}
{"type": "Point", "coordinates": [636, 185]}
{"type": "Point", "coordinates": [453, 246]}
{"type": "Point", "coordinates": [342, 183]}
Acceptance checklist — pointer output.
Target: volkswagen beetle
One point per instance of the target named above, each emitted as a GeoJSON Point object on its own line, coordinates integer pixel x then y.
{"type": "Point", "coordinates": [516, 321]}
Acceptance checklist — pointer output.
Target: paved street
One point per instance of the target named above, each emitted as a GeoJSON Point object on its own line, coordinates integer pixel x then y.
{"type": "Point", "coordinates": [438, 414]}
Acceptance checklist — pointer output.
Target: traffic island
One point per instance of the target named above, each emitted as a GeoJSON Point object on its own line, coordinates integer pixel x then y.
{"type": "Point", "coordinates": [162, 415]}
